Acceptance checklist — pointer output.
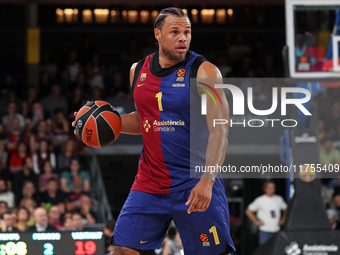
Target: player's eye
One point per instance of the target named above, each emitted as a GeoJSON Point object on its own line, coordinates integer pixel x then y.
{"type": "Point", "coordinates": [174, 32]}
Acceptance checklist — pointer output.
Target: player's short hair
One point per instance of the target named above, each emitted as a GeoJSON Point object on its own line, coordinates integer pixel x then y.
{"type": "Point", "coordinates": [165, 13]}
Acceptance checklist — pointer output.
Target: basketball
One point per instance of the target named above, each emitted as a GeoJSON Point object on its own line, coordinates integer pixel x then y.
{"type": "Point", "coordinates": [98, 124]}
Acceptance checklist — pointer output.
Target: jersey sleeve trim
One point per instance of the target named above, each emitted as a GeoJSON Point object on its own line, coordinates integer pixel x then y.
{"type": "Point", "coordinates": [193, 74]}
{"type": "Point", "coordinates": [137, 71]}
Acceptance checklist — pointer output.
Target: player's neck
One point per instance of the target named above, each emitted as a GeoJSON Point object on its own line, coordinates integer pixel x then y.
{"type": "Point", "coordinates": [164, 62]}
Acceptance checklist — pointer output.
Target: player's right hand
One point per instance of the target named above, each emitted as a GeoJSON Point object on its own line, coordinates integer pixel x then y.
{"type": "Point", "coordinates": [259, 223]}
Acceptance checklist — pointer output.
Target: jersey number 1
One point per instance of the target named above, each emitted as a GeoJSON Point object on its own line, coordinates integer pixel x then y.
{"type": "Point", "coordinates": [159, 97]}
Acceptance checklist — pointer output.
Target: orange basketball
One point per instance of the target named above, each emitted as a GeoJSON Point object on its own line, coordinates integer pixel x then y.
{"type": "Point", "coordinates": [98, 124]}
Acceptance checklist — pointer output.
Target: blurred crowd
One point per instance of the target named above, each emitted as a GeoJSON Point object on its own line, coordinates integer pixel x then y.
{"type": "Point", "coordinates": [43, 177]}
{"type": "Point", "coordinates": [328, 105]}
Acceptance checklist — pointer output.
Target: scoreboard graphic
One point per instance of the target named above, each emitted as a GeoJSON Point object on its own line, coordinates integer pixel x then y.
{"type": "Point", "coordinates": [50, 243]}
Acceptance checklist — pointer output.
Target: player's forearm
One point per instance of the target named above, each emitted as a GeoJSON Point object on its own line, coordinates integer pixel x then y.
{"type": "Point", "coordinates": [130, 124]}
{"type": "Point", "coordinates": [216, 150]}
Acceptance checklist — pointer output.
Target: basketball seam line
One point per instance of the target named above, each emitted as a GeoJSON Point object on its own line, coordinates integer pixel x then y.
{"type": "Point", "coordinates": [87, 111]}
{"type": "Point", "coordinates": [102, 112]}
{"type": "Point", "coordinates": [97, 132]}
{"type": "Point", "coordinates": [109, 125]}
{"type": "Point", "coordinates": [99, 109]}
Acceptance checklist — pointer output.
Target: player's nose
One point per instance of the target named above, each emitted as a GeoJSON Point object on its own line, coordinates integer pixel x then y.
{"type": "Point", "coordinates": [181, 37]}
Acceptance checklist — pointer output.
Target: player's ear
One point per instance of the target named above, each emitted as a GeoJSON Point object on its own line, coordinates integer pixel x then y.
{"type": "Point", "coordinates": [157, 34]}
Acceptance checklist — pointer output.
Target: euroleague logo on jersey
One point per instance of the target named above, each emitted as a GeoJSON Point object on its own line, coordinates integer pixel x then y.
{"type": "Point", "coordinates": [180, 75]}
{"type": "Point", "coordinates": [204, 240]}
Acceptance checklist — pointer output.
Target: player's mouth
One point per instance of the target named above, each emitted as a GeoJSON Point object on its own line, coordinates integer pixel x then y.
{"type": "Point", "coordinates": [181, 48]}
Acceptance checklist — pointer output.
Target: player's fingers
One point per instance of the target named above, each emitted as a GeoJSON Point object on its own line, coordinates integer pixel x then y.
{"type": "Point", "coordinates": [74, 132]}
{"type": "Point", "coordinates": [191, 197]}
{"type": "Point", "coordinates": [205, 206]}
{"type": "Point", "coordinates": [199, 206]}
{"type": "Point", "coordinates": [73, 123]}
{"type": "Point", "coordinates": [193, 205]}
{"type": "Point", "coordinates": [75, 114]}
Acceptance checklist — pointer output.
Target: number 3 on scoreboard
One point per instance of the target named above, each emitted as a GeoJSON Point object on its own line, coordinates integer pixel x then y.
{"type": "Point", "coordinates": [159, 97]}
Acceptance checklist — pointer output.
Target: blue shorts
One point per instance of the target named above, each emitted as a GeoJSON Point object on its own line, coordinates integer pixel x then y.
{"type": "Point", "coordinates": [144, 220]}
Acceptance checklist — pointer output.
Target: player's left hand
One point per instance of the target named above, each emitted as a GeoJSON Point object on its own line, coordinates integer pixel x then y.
{"type": "Point", "coordinates": [200, 196]}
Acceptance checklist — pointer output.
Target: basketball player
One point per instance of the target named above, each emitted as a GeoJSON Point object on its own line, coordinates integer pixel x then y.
{"type": "Point", "coordinates": [163, 190]}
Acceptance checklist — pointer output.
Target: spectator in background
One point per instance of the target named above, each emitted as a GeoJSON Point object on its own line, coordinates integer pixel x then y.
{"type": "Point", "coordinates": [328, 154]}
{"type": "Point", "coordinates": [43, 132]}
{"type": "Point", "coordinates": [332, 119]}
{"type": "Point", "coordinates": [54, 100]}
{"type": "Point", "coordinates": [11, 97]}
{"type": "Point", "coordinates": [6, 195]}
{"type": "Point", "coordinates": [336, 205]}
{"type": "Point", "coordinates": [29, 191]}
{"type": "Point", "coordinates": [41, 221]}
{"type": "Point", "coordinates": [68, 151]}
{"type": "Point", "coordinates": [73, 66]}
{"type": "Point", "coordinates": [67, 225]}
{"type": "Point", "coordinates": [52, 195]}
{"type": "Point", "coordinates": [3, 207]}
{"type": "Point", "coordinates": [119, 89]}
{"type": "Point", "coordinates": [23, 215]}
{"type": "Point", "coordinates": [44, 154]}
{"type": "Point", "coordinates": [12, 113]}
{"type": "Point", "coordinates": [95, 71]}
{"type": "Point", "coordinates": [25, 174]}
{"type": "Point", "coordinates": [4, 173]}
{"type": "Point", "coordinates": [73, 197]}
{"type": "Point", "coordinates": [7, 85]}
{"type": "Point", "coordinates": [14, 214]}
{"type": "Point", "coordinates": [30, 205]}
{"type": "Point", "coordinates": [77, 222]}
{"type": "Point", "coordinates": [16, 162]}
{"type": "Point", "coordinates": [60, 126]}
{"type": "Point", "coordinates": [268, 208]}
{"type": "Point", "coordinates": [36, 115]}
{"type": "Point", "coordinates": [89, 217]}
{"type": "Point", "coordinates": [66, 179]}
{"type": "Point", "coordinates": [7, 223]}
{"type": "Point", "coordinates": [14, 135]}
{"type": "Point", "coordinates": [54, 217]}
{"type": "Point", "coordinates": [27, 104]}
{"type": "Point", "coordinates": [46, 65]}
{"type": "Point", "coordinates": [47, 173]}
{"type": "Point", "coordinates": [96, 94]}
{"type": "Point", "coordinates": [81, 83]}
{"type": "Point", "coordinates": [108, 231]}
{"type": "Point", "coordinates": [75, 101]}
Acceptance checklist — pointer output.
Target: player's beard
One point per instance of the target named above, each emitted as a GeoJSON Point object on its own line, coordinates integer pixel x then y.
{"type": "Point", "coordinates": [168, 55]}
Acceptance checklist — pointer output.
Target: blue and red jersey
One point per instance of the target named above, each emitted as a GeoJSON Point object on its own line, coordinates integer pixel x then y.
{"type": "Point", "coordinates": [164, 99]}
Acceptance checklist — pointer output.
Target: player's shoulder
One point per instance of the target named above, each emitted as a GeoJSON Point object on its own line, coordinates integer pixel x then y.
{"type": "Point", "coordinates": [133, 67]}
{"type": "Point", "coordinates": [208, 70]}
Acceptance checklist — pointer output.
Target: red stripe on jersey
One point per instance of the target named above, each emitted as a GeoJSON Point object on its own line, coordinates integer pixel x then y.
{"type": "Point", "coordinates": [153, 175]}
